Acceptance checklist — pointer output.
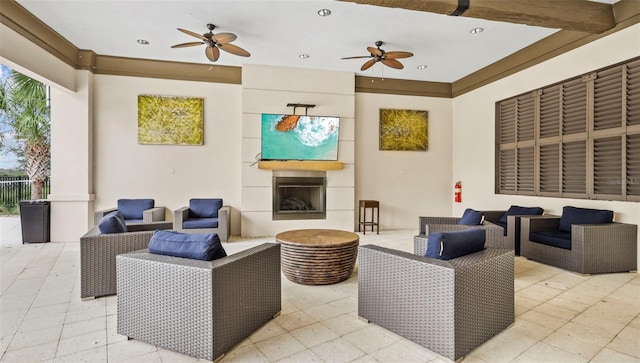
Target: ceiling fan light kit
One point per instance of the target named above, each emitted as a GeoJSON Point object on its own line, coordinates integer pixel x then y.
{"type": "Point", "coordinates": [377, 54]}
{"type": "Point", "coordinates": [214, 42]}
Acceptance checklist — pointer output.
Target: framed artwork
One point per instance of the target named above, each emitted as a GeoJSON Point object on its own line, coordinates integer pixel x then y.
{"type": "Point", "coordinates": [169, 120]}
{"type": "Point", "coordinates": [403, 130]}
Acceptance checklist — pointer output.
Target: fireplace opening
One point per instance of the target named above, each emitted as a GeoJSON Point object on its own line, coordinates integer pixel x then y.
{"type": "Point", "coordinates": [299, 198]}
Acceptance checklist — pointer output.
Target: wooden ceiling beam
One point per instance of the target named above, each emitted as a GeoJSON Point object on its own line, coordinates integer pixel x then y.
{"type": "Point", "coordinates": [576, 15]}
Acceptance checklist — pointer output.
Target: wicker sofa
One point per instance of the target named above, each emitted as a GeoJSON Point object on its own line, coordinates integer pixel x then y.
{"type": "Point", "coordinates": [98, 255]}
{"type": "Point", "coordinates": [450, 307]}
{"type": "Point", "coordinates": [198, 308]}
{"type": "Point", "coordinates": [595, 248]}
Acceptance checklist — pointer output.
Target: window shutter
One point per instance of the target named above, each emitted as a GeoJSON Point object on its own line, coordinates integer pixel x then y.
{"type": "Point", "coordinates": [633, 165]}
{"type": "Point", "coordinates": [507, 121]}
{"type": "Point", "coordinates": [633, 93]}
{"type": "Point", "coordinates": [525, 167]}
{"type": "Point", "coordinates": [508, 170]}
{"type": "Point", "coordinates": [574, 107]}
{"type": "Point", "coordinates": [607, 166]}
{"type": "Point", "coordinates": [574, 167]}
{"type": "Point", "coordinates": [526, 125]}
{"type": "Point", "coordinates": [550, 168]}
{"type": "Point", "coordinates": [607, 99]}
{"type": "Point", "coordinates": [550, 112]}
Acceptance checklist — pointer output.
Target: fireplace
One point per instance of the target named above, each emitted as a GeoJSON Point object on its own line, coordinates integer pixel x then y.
{"type": "Point", "coordinates": [299, 198]}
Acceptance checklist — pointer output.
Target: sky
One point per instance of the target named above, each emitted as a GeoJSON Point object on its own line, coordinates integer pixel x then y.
{"type": "Point", "coordinates": [8, 160]}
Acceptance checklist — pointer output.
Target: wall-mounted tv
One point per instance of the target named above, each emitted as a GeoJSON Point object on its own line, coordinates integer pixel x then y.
{"type": "Point", "coordinates": [299, 137]}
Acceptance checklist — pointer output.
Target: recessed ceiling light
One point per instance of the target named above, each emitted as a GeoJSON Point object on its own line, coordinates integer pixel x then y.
{"type": "Point", "coordinates": [476, 30]}
{"type": "Point", "coordinates": [303, 56]}
{"type": "Point", "coordinates": [142, 41]}
{"type": "Point", "coordinates": [422, 66]}
{"type": "Point", "coordinates": [324, 12]}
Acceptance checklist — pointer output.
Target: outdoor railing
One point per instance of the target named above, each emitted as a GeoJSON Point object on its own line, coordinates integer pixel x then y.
{"type": "Point", "coordinates": [16, 188]}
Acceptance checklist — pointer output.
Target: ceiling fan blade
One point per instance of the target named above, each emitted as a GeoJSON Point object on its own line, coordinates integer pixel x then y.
{"type": "Point", "coordinates": [223, 38]}
{"type": "Point", "coordinates": [356, 57]}
{"type": "Point", "coordinates": [392, 63]}
{"type": "Point", "coordinates": [234, 49]}
{"type": "Point", "coordinates": [212, 53]}
{"type": "Point", "coordinates": [193, 34]}
{"type": "Point", "coordinates": [374, 51]}
{"type": "Point", "coordinates": [368, 64]}
{"type": "Point", "coordinates": [190, 44]}
{"type": "Point", "coordinates": [396, 55]}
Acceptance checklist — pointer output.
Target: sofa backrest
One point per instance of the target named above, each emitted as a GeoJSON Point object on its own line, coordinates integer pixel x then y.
{"type": "Point", "coordinates": [575, 215]}
{"type": "Point", "coordinates": [134, 208]}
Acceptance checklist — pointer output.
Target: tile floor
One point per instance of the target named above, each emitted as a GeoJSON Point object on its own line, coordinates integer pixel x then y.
{"type": "Point", "coordinates": [560, 316]}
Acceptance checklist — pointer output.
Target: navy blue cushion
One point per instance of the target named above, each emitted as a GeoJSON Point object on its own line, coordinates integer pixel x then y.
{"type": "Point", "coordinates": [552, 238]}
{"type": "Point", "coordinates": [471, 217]}
{"type": "Point", "coordinates": [515, 210]}
{"type": "Point", "coordinates": [112, 223]}
{"type": "Point", "coordinates": [204, 208]}
{"type": "Point", "coordinates": [133, 208]}
{"type": "Point", "coordinates": [448, 245]}
{"type": "Point", "coordinates": [574, 215]}
{"type": "Point", "coordinates": [200, 223]}
{"type": "Point", "coordinates": [199, 246]}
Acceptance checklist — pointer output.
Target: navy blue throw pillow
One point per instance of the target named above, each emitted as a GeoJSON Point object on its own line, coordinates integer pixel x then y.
{"type": "Point", "coordinates": [448, 245]}
{"type": "Point", "coordinates": [199, 246]}
{"type": "Point", "coordinates": [574, 215]}
{"type": "Point", "coordinates": [471, 217]}
{"type": "Point", "coordinates": [515, 210]}
{"type": "Point", "coordinates": [112, 223]}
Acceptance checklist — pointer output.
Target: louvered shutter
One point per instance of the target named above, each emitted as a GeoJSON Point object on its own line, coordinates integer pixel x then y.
{"type": "Point", "coordinates": [633, 93]}
{"type": "Point", "coordinates": [550, 168]}
{"type": "Point", "coordinates": [526, 122]}
{"type": "Point", "coordinates": [525, 171]}
{"type": "Point", "coordinates": [507, 121]}
{"type": "Point", "coordinates": [574, 107]}
{"type": "Point", "coordinates": [607, 166]}
{"type": "Point", "coordinates": [607, 99]}
{"type": "Point", "coordinates": [574, 167]}
{"type": "Point", "coordinates": [633, 166]}
{"type": "Point", "coordinates": [550, 112]}
{"type": "Point", "coordinates": [508, 170]}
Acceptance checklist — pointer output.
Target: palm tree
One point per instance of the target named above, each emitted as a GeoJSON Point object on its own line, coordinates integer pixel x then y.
{"type": "Point", "coordinates": [23, 101]}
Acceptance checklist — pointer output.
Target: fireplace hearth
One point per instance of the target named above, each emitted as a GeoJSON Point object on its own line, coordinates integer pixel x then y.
{"type": "Point", "coordinates": [299, 198]}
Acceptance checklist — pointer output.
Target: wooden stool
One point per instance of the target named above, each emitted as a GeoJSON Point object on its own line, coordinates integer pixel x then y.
{"type": "Point", "coordinates": [375, 209]}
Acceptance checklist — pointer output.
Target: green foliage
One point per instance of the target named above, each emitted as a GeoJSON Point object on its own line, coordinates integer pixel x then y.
{"type": "Point", "coordinates": [170, 120]}
{"type": "Point", "coordinates": [9, 209]}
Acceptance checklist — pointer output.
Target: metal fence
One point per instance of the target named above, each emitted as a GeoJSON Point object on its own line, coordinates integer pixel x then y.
{"type": "Point", "coordinates": [16, 188]}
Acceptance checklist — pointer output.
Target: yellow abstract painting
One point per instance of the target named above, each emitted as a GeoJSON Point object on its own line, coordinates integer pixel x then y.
{"type": "Point", "coordinates": [405, 130]}
{"type": "Point", "coordinates": [170, 120]}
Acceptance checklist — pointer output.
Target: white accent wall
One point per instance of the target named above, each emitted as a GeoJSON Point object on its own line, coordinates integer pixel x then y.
{"type": "Point", "coordinates": [474, 130]}
{"type": "Point", "coordinates": [268, 89]}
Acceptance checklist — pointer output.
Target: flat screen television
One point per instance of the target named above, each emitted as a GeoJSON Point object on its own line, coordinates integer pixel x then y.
{"type": "Point", "coordinates": [299, 137]}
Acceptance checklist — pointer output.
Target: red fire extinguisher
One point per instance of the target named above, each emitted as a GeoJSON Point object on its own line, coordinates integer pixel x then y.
{"type": "Point", "coordinates": [458, 193]}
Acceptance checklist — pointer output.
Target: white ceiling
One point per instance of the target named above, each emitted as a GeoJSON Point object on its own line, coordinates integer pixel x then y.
{"type": "Point", "coordinates": [277, 32]}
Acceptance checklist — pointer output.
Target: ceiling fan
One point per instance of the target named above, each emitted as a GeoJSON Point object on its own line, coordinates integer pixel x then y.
{"type": "Point", "coordinates": [379, 55]}
{"type": "Point", "coordinates": [214, 42]}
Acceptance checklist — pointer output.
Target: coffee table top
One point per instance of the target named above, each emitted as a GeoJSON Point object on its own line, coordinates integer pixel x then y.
{"type": "Point", "coordinates": [319, 237]}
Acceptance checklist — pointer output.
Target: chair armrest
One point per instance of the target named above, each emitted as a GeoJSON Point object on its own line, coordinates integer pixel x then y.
{"type": "Point", "coordinates": [156, 214]}
{"type": "Point", "coordinates": [97, 215]}
{"type": "Point", "coordinates": [149, 226]}
{"type": "Point", "coordinates": [224, 222]}
{"type": "Point", "coordinates": [424, 221]}
{"type": "Point", "coordinates": [179, 216]}
{"type": "Point", "coordinates": [588, 238]}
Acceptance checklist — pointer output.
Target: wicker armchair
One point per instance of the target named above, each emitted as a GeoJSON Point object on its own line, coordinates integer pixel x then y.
{"type": "Point", "coordinates": [143, 216]}
{"type": "Point", "coordinates": [98, 256]}
{"type": "Point", "coordinates": [198, 308]}
{"type": "Point", "coordinates": [223, 220]}
{"type": "Point", "coordinates": [495, 233]}
{"type": "Point", "coordinates": [595, 248]}
{"type": "Point", "coordinates": [450, 307]}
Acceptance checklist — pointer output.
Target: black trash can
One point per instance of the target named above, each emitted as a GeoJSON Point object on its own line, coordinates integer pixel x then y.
{"type": "Point", "coordinates": [35, 220]}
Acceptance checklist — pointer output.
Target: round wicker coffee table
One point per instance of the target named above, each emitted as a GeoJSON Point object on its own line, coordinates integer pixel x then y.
{"type": "Point", "coordinates": [318, 256]}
